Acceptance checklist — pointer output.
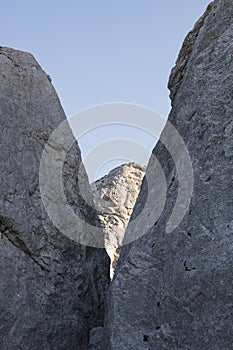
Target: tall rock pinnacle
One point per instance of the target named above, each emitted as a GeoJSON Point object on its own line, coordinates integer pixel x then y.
{"type": "Point", "coordinates": [52, 288]}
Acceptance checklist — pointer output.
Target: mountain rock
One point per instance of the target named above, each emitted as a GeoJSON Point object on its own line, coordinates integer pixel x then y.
{"type": "Point", "coordinates": [95, 338]}
{"type": "Point", "coordinates": [52, 288]}
{"type": "Point", "coordinates": [114, 197]}
{"type": "Point", "coordinates": [174, 290]}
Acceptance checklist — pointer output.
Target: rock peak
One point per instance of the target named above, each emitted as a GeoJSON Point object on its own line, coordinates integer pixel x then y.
{"type": "Point", "coordinates": [115, 195]}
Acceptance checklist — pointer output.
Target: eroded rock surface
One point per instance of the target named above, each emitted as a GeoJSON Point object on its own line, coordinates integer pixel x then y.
{"type": "Point", "coordinates": [52, 288]}
{"type": "Point", "coordinates": [114, 196]}
{"type": "Point", "coordinates": [175, 290]}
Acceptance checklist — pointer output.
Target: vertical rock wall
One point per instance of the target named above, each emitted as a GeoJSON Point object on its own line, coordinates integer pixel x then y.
{"type": "Point", "coordinates": [52, 289]}
{"type": "Point", "coordinates": [174, 290]}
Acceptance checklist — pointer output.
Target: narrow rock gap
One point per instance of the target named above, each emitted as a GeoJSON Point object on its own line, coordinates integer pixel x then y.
{"type": "Point", "coordinates": [115, 195]}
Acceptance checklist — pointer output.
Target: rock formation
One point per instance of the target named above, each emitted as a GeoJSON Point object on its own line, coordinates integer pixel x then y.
{"type": "Point", "coordinates": [175, 290]}
{"type": "Point", "coordinates": [52, 288]}
{"type": "Point", "coordinates": [114, 197]}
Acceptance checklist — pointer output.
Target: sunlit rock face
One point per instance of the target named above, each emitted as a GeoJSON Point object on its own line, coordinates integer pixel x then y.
{"type": "Point", "coordinates": [114, 196]}
{"type": "Point", "coordinates": [174, 290]}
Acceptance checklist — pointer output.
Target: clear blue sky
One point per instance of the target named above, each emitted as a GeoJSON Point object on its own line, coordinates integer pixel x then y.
{"type": "Point", "coordinates": [103, 51]}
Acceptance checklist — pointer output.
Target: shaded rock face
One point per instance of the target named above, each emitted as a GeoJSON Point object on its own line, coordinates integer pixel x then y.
{"type": "Point", "coordinates": [52, 289]}
{"type": "Point", "coordinates": [174, 290]}
{"type": "Point", "coordinates": [95, 338]}
{"type": "Point", "coordinates": [114, 197]}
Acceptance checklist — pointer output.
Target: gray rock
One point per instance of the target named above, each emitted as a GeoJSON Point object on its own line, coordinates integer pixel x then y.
{"type": "Point", "coordinates": [174, 290]}
{"type": "Point", "coordinates": [95, 339]}
{"type": "Point", "coordinates": [114, 197]}
{"type": "Point", "coordinates": [52, 288]}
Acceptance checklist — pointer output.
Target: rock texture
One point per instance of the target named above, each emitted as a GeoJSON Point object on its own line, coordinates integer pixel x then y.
{"type": "Point", "coordinates": [95, 339]}
{"type": "Point", "coordinates": [114, 197]}
{"type": "Point", "coordinates": [52, 289]}
{"type": "Point", "coordinates": [175, 290]}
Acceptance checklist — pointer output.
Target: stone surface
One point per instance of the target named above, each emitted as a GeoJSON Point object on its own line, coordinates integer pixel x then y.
{"type": "Point", "coordinates": [95, 339]}
{"type": "Point", "coordinates": [114, 197]}
{"type": "Point", "coordinates": [175, 290]}
{"type": "Point", "coordinates": [52, 288]}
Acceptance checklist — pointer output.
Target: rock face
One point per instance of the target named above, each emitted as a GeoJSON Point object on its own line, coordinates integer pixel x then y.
{"type": "Point", "coordinates": [52, 288]}
{"type": "Point", "coordinates": [114, 197]}
{"type": "Point", "coordinates": [175, 290]}
{"type": "Point", "coordinates": [95, 339]}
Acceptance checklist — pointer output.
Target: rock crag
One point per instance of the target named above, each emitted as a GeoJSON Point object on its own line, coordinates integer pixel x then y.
{"type": "Point", "coordinates": [52, 288]}
{"type": "Point", "coordinates": [114, 197]}
{"type": "Point", "coordinates": [174, 290]}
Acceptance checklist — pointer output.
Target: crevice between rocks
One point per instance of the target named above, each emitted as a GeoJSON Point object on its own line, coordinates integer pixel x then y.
{"type": "Point", "coordinates": [115, 196]}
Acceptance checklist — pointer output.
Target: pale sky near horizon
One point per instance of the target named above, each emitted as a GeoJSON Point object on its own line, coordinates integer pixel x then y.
{"type": "Point", "coordinates": [103, 51]}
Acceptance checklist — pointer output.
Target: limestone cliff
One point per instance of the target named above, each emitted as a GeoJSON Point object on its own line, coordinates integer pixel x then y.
{"type": "Point", "coordinates": [52, 288]}
{"type": "Point", "coordinates": [174, 290]}
{"type": "Point", "coordinates": [114, 197]}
